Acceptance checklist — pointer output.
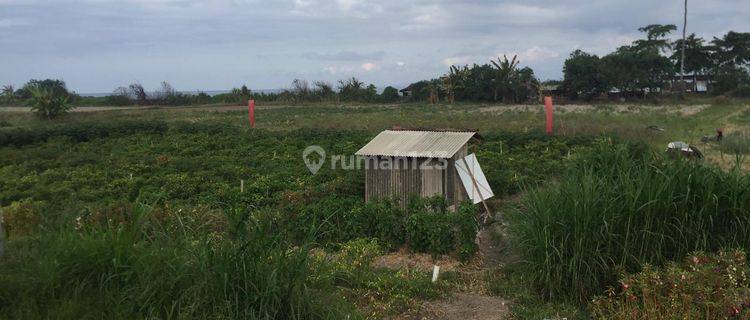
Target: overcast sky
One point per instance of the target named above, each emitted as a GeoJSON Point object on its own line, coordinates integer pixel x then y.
{"type": "Point", "coordinates": [98, 45]}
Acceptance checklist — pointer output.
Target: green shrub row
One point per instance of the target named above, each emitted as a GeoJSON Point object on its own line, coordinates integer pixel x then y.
{"type": "Point", "coordinates": [426, 226]}
{"type": "Point", "coordinates": [78, 132]}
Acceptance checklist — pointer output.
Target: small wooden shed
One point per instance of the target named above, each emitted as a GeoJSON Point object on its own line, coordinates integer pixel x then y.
{"type": "Point", "coordinates": [401, 164]}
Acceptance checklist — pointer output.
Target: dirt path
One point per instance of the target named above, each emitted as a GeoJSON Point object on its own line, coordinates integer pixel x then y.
{"type": "Point", "coordinates": [475, 302]}
{"type": "Point", "coordinates": [465, 306]}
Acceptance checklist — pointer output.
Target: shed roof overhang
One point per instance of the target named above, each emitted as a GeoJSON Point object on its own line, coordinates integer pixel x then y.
{"type": "Point", "coordinates": [417, 143]}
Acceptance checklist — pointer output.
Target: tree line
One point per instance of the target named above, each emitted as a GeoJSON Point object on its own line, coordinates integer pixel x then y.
{"type": "Point", "coordinates": [647, 66]}
{"type": "Point", "coordinates": [652, 65]}
{"type": "Point", "coordinates": [50, 97]}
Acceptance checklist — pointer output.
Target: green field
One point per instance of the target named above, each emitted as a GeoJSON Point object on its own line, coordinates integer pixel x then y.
{"type": "Point", "coordinates": [138, 213]}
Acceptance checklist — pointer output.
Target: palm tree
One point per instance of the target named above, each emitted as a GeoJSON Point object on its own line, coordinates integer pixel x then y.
{"type": "Point", "coordinates": [454, 81]}
{"type": "Point", "coordinates": [505, 74]}
{"type": "Point", "coordinates": [45, 103]}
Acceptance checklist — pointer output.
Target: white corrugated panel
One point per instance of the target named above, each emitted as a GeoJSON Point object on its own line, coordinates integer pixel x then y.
{"type": "Point", "coordinates": [473, 178]}
{"type": "Point", "coordinates": [427, 144]}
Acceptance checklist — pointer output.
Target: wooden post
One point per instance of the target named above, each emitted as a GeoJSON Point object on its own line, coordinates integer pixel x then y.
{"type": "Point", "coordinates": [476, 186]}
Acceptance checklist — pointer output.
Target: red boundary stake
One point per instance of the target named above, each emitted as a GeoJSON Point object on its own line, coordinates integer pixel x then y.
{"type": "Point", "coordinates": [548, 108]}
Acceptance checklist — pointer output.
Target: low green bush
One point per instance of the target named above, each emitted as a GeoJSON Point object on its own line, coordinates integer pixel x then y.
{"type": "Point", "coordinates": [704, 286]}
{"type": "Point", "coordinates": [618, 208]}
{"type": "Point", "coordinates": [431, 228]}
{"type": "Point", "coordinates": [743, 91]}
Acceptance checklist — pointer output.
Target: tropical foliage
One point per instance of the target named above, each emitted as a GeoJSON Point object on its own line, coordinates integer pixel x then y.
{"type": "Point", "coordinates": [649, 65]}
{"type": "Point", "coordinates": [46, 102]}
{"type": "Point", "coordinates": [499, 81]}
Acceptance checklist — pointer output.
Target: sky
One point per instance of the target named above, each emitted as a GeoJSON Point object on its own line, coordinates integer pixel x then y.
{"type": "Point", "coordinates": [98, 45]}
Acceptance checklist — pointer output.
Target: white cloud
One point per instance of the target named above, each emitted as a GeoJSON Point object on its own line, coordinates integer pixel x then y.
{"type": "Point", "coordinates": [359, 8]}
{"type": "Point", "coordinates": [425, 17]}
{"type": "Point", "coordinates": [369, 66]}
{"type": "Point", "coordinates": [400, 63]}
{"type": "Point", "coordinates": [459, 60]}
{"type": "Point", "coordinates": [533, 54]}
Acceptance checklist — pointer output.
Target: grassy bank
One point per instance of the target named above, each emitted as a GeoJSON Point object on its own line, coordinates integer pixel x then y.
{"type": "Point", "coordinates": [620, 208]}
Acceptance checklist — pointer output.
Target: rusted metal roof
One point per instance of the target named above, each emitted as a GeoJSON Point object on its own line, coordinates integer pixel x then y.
{"type": "Point", "coordinates": [408, 143]}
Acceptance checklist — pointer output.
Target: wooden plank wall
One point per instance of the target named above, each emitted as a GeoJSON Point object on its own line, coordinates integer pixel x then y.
{"type": "Point", "coordinates": [459, 193]}
{"type": "Point", "coordinates": [405, 178]}
{"type": "Point", "coordinates": [432, 179]}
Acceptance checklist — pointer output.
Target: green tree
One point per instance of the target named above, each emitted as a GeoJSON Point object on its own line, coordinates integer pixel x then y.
{"type": "Point", "coordinates": [9, 94]}
{"type": "Point", "coordinates": [351, 89]}
{"type": "Point", "coordinates": [584, 76]}
{"type": "Point", "coordinates": [656, 37]}
{"type": "Point", "coordinates": [139, 93]}
{"type": "Point", "coordinates": [55, 86]}
{"type": "Point", "coordinates": [630, 69]}
{"type": "Point", "coordinates": [732, 49]}
{"type": "Point", "coordinates": [697, 56]}
{"type": "Point", "coordinates": [390, 94]}
{"type": "Point", "coordinates": [526, 86]}
{"type": "Point", "coordinates": [505, 75]}
{"type": "Point", "coordinates": [731, 55]}
{"type": "Point", "coordinates": [324, 90]}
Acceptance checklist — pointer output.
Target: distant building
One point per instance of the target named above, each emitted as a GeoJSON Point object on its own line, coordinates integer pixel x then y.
{"type": "Point", "coordinates": [693, 83]}
{"type": "Point", "coordinates": [551, 90]}
{"type": "Point", "coordinates": [401, 164]}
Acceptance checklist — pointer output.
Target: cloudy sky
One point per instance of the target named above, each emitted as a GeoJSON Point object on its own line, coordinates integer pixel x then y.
{"type": "Point", "coordinates": [97, 45]}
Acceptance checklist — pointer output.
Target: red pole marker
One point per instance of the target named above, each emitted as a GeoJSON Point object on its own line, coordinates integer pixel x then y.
{"type": "Point", "coordinates": [251, 112]}
{"type": "Point", "coordinates": [548, 112]}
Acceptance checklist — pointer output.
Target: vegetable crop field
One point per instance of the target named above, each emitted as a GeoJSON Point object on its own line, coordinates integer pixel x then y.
{"type": "Point", "coordinates": [187, 212]}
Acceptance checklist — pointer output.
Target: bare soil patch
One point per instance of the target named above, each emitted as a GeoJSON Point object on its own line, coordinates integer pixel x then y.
{"type": "Point", "coordinates": [684, 110]}
{"type": "Point", "coordinates": [464, 306]}
{"type": "Point", "coordinates": [419, 261]}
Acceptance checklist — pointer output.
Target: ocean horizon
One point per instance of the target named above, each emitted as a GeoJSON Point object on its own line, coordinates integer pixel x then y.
{"type": "Point", "coordinates": [192, 92]}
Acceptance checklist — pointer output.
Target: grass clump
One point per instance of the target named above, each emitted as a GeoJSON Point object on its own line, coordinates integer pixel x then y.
{"type": "Point", "coordinates": [618, 208]}
{"type": "Point", "coordinates": [164, 265]}
{"type": "Point", "coordinates": [737, 142]}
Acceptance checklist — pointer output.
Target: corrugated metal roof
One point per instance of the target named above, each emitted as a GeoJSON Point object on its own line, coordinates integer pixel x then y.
{"type": "Point", "coordinates": [405, 143]}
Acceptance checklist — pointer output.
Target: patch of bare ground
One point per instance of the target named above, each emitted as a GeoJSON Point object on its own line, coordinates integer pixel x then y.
{"type": "Point", "coordinates": [419, 261]}
{"type": "Point", "coordinates": [684, 110]}
{"type": "Point", "coordinates": [470, 298]}
{"type": "Point", "coordinates": [713, 153]}
{"type": "Point", "coordinates": [464, 306]}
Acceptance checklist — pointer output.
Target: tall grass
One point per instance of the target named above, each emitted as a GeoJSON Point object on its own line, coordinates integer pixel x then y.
{"type": "Point", "coordinates": [617, 209]}
{"type": "Point", "coordinates": [166, 268]}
